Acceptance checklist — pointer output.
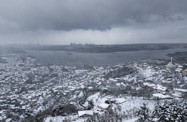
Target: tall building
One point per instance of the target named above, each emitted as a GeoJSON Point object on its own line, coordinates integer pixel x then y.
{"type": "Point", "coordinates": [170, 65]}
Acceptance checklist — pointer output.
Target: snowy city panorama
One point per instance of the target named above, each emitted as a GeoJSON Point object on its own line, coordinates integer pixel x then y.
{"type": "Point", "coordinates": [93, 60]}
{"type": "Point", "coordinates": [142, 90]}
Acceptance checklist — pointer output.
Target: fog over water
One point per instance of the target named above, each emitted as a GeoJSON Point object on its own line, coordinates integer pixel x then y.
{"type": "Point", "coordinates": [75, 58]}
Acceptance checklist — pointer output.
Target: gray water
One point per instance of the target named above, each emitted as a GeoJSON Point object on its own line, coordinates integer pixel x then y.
{"type": "Point", "coordinates": [75, 58]}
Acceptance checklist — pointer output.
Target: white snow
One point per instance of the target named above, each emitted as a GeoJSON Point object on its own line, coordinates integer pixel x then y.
{"type": "Point", "coordinates": [131, 120]}
{"type": "Point", "coordinates": [103, 106]}
{"type": "Point", "coordinates": [86, 112]}
{"type": "Point", "coordinates": [23, 107]}
{"type": "Point", "coordinates": [61, 118]}
{"type": "Point", "coordinates": [149, 84]}
{"type": "Point", "coordinates": [158, 95]}
{"type": "Point", "coordinates": [161, 88]}
{"type": "Point", "coordinates": [177, 95]}
{"type": "Point", "coordinates": [126, 103]}
{"type": "Point", "coordinates": [80, 71]}
{"type": "Point", "coordinates": [8, 120]}
{"type": "Point", "coordinates": [120, 100]}
{"type": "Point", "coordinates": [181, 90]}
{"type": "Point", "coordinates": [148, 72]}
{"type": "Point", "coordinates": [178, 70]}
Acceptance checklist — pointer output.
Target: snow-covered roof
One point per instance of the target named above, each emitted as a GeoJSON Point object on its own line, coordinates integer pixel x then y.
{"type": "Point", "coordinates": [166, 81]}
{"type": "Point", "coordinates": [103, 105]}
{"type": "Point", "coordinates": [161, 88]}
{"type": "Point", "coordinates": [131, 120]}
{"type": "Point", "coordinates": [86, 112]}
{"type": "Point", "coordinates": [180, 66]}
{"type": "Point", "coordinates": [158, 95]}
{"type": "Point", "coordinates": [178, 70]}
{"type": "Point", "coordinates": [149, 84]}
{"type": "Point", "coordinates": [120, 100]}
{"type": "Point", "coordinates": [180, 90]}
{"type": "Point", "coordinates": [80, 71]}
{"type": "Point", "coordinates": [185, 70]}
{"type": "Point", "coordinates": [177, 95]}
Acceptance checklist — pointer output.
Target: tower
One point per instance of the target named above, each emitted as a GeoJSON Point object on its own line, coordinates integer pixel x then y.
{"type": "Point", "coordinates": [170, 65]}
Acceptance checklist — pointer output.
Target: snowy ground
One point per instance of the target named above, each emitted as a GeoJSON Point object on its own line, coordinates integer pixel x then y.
{"type": "Point", "coordinates": [127, 106]}
{"type": "Point", "coordinates": [28, 88]}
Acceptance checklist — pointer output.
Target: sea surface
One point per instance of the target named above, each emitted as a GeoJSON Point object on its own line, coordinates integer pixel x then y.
{"type": "Point", "coordinates": [77, 58]}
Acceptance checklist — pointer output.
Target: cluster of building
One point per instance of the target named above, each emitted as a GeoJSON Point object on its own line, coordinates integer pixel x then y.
{"type": "Point", "coordinates": [28, 88]}
{"type": "Point", "coordinates": [170, 81]}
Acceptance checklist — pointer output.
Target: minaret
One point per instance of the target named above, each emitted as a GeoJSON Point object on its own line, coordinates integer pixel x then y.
{"type": "Point", "coordinates": [170, 64]}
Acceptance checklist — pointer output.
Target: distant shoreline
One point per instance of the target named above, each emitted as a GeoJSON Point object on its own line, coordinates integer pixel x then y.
{"type": "Point", "coordinates": [91, 48]}
{"type": "Point", "coordinates": [107, 48]}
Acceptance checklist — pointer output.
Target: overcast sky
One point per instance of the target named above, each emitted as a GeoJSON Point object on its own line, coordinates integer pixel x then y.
{"type": "Point", "coordinates": [93, 21]}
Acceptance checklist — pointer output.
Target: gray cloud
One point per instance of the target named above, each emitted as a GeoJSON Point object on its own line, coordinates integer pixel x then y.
{"type": "Point", "coordinates": [97, 21]}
